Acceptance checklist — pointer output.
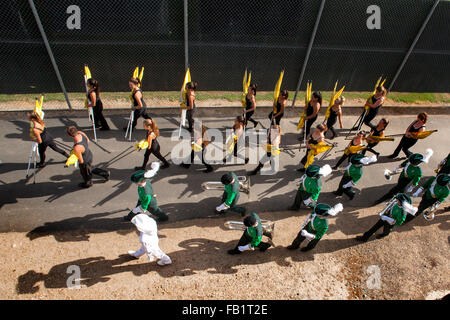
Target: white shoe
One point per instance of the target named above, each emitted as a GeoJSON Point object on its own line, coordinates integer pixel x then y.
{"type": "Point", "coordinates": [132, 253]}
{"type": "Point", "coordinates": [164, 261]}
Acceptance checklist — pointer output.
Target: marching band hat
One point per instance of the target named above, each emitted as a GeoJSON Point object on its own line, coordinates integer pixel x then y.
{"type": "Point", "coordinates": [443, 179]}
{"type": "Point", "coordinates": [138, 176]}
{"type": "Point", "coordinates": [403, 197]}
{"type": "Point", "coordinates": [249, 221]}
{"type": "Point", "coordinates": [415, 159]}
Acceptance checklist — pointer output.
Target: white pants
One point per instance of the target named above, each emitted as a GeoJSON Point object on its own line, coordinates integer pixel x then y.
{"type": "Point", "coordinates": [153, 251]}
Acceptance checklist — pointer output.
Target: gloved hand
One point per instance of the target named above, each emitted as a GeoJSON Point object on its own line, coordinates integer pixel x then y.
{"type": "Point", "coordinates": [222, 207]}
{"type": "Point", "coordinates": [389, 220]}
{"type": "Point", "coordinates": [138, 209]}
{"type": "Point", "coordinates": [435, 205]}
{"type": "Point", "coordinates": [307, 235]}
{"type": "Point", "coordinates": [349, 185]}
{"type": "Point", "coordinates": [418, 192]}
{"type": "Point", "coordinates": [410, 189]}
{"type": "Point", "coordinates": [245, 248]}
{"type": "Point", "coordinates": [308, 201]}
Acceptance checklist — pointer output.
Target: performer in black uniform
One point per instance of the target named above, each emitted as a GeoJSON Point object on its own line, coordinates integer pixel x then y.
{"type": "Point", "coordinates": [312, 111]}
{"type": "Point", "coordinates": [43, 138]}
{"type": "Point", "coordinates": [377, 102]}
{"type": "Point", "coordinates": [250, 105]}
{"type": "Point", "coordinates": [357, 140]}
{"type": "Point", "coordinates": [139, 105]}
{"type": "Point", "coordinates": [153, 145]}
{"type": "Point", "coordinates": [191, 87]}
{"type": "Point", "coordinates": [317, 136]}
{"type": "Point", "coordinates": [278, 108]}
{"type": "Point", "coordinates": [408, 140]}
{"type": "Point", "coordinates": [377, 131]}
{"type": "Point", "coordinates": [335, 114]}
{"type": "Point", "coordinates": [85, 157]}
{"type": "Point", "coordinates": [95, 102]}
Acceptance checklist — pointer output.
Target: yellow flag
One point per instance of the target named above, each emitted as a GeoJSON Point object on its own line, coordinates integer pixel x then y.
{"type": "Point", "coordinates": [87, 72]}
{"type": "Point", "coordinates": [374, 91]}
{"type": "Point", "coordinates": [276, 91]}
{"type": "Point", "coordinates": [423, 135]}
{"type": "Point", "coordinates": [141, 75]}
{"type": "Point", "coordinates": [301, 122]}
{"type": "Point", "coordinates": [334, 96]}
{"type": "Point", "coordinates": [315, 150]}
{"type": "Point", "coordinates": [196, 147]}
{"type": "Point", "coordinates": [136, 73]}
{"type": "Point", "coordinates": [187, 79]}
{"type": "Point", "coordinates": [72, 159]}
{"type": "Point", "coordinates": [38, 106]}
{"type": "Point", "coordinates": [245, 85]}
{"type": "Point", "coordinates": [273, 149]}
{"type": "Point", "coordinates": [374, 139]}
{"type": "Point", "coordinates": [143, 144]}
{"type": "Point", "coordinates": [354, 149]}
{"type": "Point", "coordinates": [231, 143]}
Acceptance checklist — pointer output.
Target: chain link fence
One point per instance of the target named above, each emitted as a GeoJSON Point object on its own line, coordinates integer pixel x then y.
{"type": "Point", "coordinates": [223, 39]}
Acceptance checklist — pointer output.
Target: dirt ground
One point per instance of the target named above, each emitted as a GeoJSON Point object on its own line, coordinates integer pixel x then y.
{"type": "Point", "coordinates": [413, 262]}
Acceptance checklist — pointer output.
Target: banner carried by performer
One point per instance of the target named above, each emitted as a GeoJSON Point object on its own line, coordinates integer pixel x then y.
{"type": "Point", "coordinates": [301, 122]}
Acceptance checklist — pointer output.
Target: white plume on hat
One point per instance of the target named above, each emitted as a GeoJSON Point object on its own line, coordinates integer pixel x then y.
{"type": "Point", "coordinates": [151, 173]}
{"type": "Point", "coordinates": [409, 208]}
{"type": "Point", "coordinates": [336, 209]}
{"type": "Point", "coordinates": [428, 154]}
{"type": "Point", "coordinates": [145, 224]}
{"type": "Point", "coordinates": [325, 170]}
{"type": "Point", "coordinates": [369, 160]}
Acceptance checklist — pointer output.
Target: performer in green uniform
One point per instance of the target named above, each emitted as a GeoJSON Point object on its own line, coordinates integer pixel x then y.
{"type": "Point", "coordinates": [310, 186]}
{"type": "Point", "coordinates": [436, 191]}
{"type": "Point", "coordinates": [411, 173]}
{"type": "Point", "coordinates": [147, 200]}
{"type": "Point", "coordinates": [315, 226]}
{"type": "Point", "coordinates": [393, 215]}
{"type": "Point", "coordinates": [353, 174]}
{"type": "Point", "coordinates": [230, 196]}
{"type": "Point", "coordinates": [252, 236]}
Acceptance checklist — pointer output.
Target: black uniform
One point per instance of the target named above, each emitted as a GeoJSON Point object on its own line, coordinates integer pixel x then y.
{"type": "Point", "coordinates": [406, 142]}
{"type": "Point", "coordinates": [309, 122]}
{"type": "Point", "coordinates": [278, 118]}
{"type": "Point", "coordinates": [376, 133]}
{"type": "Point", "coordinates": [85, 167]}
{"type": "Point", "coordinates": [47, 141]}
{"type": "Point", "coordinates": [139, 112]}
{"type": "Point", "coordinates": [98, 112]}
{"type": "Point", "coordinates": [155, 149]}
{"type": "Point", "coordinates": [331, 121]}
{"type": "Point", "coordinates": [248, 115]}
{"type": "Point", "coordinates": [372, 113]}
{"type": "Point", "coordinates": [190, 115]}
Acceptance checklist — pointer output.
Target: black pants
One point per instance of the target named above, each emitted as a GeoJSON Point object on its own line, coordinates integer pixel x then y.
{"type": "Point", "coordinates": [155, 149]}
{"type": "Point", "coordinates": [190, 119]}
{"type": "Point", "coordinates": [348, 191]}
{"type": "Point", "coordinates": [98, 116]}
{"type": "Point", "coordinates": [330, 126]}
{"type": "Point", "coordinates": [276, 119]}
{"type": "Point", "coordinates": [248, 117]}
{"type": "Point", "coordinates": [87, 172]}
{"type": "Point", "coordinates": [399, 188]}
{"type": "Point", "coordinates": [201, 155]}
{"type": "Point", "coordinates": [308, 124]}
{"type": "Point", "coordinates": [235, 153]}
{"type": "Point", "coordinates": [387, 228]}
{"type": "Point", "coordinates": [424, 204]}
{"type": "Point", "coordinates": [404, 146]}
{"type": "Point", "coordinates": [299, 197]}
{"type": "Point", "coordinates": [369, 117]}
{"type": "Point", "coordinates": [246, 239]}
{"type": "Point", "coordinates": [42, 147]}
{"type": "Point", "coordinates": [233, 206]}
{"type": "Point", "coordinates": [299, 239]}
{"type": "Point", "coordinates": [141, 112]}
{"type": "Point", "coordinates": [369, 146]}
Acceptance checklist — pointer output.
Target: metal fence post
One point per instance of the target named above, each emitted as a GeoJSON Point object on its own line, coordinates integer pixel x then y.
{"type": "Point", "coordinates": [308, 51]}
{"type": "Point", "coordinates": [186, 41]}
{"type": "Point", "coordinates": [405, 59]}
{"type": "Point", "coordinates": [49, 51]}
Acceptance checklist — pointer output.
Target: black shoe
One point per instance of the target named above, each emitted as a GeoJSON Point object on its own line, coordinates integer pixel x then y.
{"type": "Point", "coordinates": [334, 168]}
{"type": "Point", "coordinates": [234, 251]}
{"type": "Point", "coordinates": [209, 169]}
{"type": "Point", "coordinates": [162, 219]}
{"type": "Point", "coordinates": [185, 165]}
{"type": "Point", "coordinates": [85, 185]}
{"type": "Point", "coordinates": [392, 156]}
{"type": "Point", "coordinates": [291, 247]}
{"type": "Point", "coordinates": [107, 175]}
{"type": "Point", "coordinates": [165, 166]}
{"type": "Point", "coordinates": [138, 168]}
{"type": "Point", "coordinates": [381, 236]}
{"type": "Point", "coordinates": [264, 246]}
{"type": "Point", "coordinates": [351, 196]}
{"type": "Point", "coordinates": [301, 170]}
{"type": "Point", "coordinates": [304, 249]}
{"type": "Point", "coordinates": [255, 124]}
{"type": "Point", "coordinates": [361, 238]}
{"type": "Point", "coordinates": [246, 160]}
{"type": "Point", "coordinates": [41, 165]}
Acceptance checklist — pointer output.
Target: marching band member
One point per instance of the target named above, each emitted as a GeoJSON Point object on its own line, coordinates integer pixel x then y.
{"type": "Point", "coordinates": [238, 136]}
{"type": "Point", "coordinates": [335, 114]}
{"type": "Point", "coordinates": [252, 236]}
{"type": "Point", "coordinates": [153, 145]}
{"type": "Point", "coordinates": [250, 105]}
{"type": "Point", "coordinates": [273, 149]}
{"type": "Point", "coordinates": [393, 215]}
{"type": "Point", "coordinates": [312, 110]}
{"type": "Point", "coordinates": [43, 138]}
{"type": "Point", "coordinates": [230, 196]}
{"type": "Point", "coordinates": [377, 131]}
{"type": "Point", "coordinates": [377, 101]}
{"type": "Point", "coordinates": [199, 144]}
{"type": "Point", "coordinates": [435, 191]}
{"type": "Point", "coordinates": [444, 166]}
{"type": "Point", "coordinates": [85, 157]}
{"type": "Point", "coordinates": [139, 105]}
{"type": "Point", "coordinates": [353, 174]}
{"type": "Point", "coordinates": [149, 240]}
{"type": "Point", "coordinates": [191, 87]}
{"type": "Point", "coordinates": [411, 172]}
{"type": "Point", "coordinates": [408, 139]}
{"type": "Point", "coordinates": [310, 186]}
{"type": "Point", "coordinates": [356, 145]}
{"type": "Point", "coordinates": [278, 108]}
{"type": "Point", "coordinates": [315, 226]}
{"type": "Point", "coordinates": [94, 102]}
{"type": "Point", "coordinates": [147, 199]}
{"type": "Point", "coordinates": [317, 136]}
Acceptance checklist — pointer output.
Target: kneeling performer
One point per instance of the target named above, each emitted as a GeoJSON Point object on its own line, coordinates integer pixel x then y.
{"type": "Point", "coordinates": [230, 196]}
{"type": "Point", "coordinates": [252, 236]}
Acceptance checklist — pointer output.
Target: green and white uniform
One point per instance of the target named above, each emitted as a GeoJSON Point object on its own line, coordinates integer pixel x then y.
{"type": "Point", "coordinates": [411, 173]}
{"type": "Point", "coordinates": [230, 196]}
{"type": "Point", "coordinates": [147, 201]}
{"type": "Point", "coordinates": [352, 175]}
{"type": "Point", "coordinates": [308, 192]}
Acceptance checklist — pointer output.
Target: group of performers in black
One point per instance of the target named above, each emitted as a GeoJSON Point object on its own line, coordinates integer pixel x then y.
{"type": "Point", "coordinates": [435, 190]}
